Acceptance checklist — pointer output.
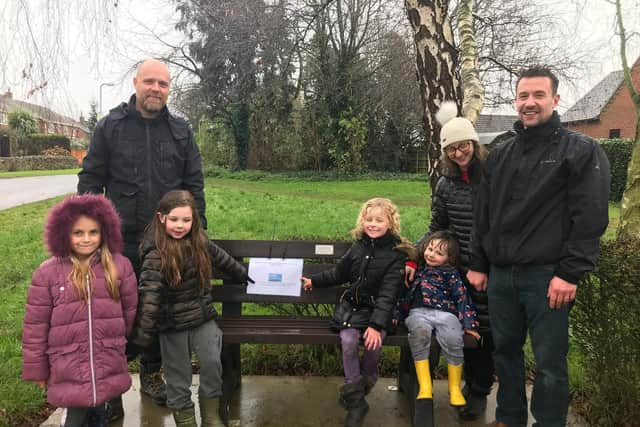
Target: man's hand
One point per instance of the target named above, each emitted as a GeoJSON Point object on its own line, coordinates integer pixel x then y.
{"type": "Point", "coordinates": [561, 292]}
{"type": "Point", "coordinates": [478, 280]}
{"type": "Point", "coordinates": [372, 339]}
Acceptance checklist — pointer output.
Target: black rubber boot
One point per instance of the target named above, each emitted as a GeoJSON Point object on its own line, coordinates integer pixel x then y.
{"type": "Point", "coordinates": [368, 383]}
{"type": "Point", "coordinates": [352, 399]}
{"type": "Point", "coordinates": [423, 413]}
{"type": "Point", "coordinates": [475, 407]}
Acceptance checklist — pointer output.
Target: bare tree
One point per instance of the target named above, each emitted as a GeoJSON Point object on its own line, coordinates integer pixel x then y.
{"type": "Point", "coordinates": [38, 38]}
{"type": "Point", "coordinates": [437, 63]}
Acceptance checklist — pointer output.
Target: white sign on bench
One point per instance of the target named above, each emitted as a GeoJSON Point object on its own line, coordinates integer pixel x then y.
{"type": "Point", "coordinates": [275, 276]}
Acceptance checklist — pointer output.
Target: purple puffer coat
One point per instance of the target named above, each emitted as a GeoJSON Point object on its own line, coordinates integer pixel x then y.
{"type": "Point", "coordinates": [78, 348]}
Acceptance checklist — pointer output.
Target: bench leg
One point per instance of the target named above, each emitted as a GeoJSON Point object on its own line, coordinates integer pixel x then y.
{"type": "Point", "coordinates": [231, 377]}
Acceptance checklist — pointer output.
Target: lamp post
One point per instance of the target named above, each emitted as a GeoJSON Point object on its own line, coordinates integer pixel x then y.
{"type": "Point", "coordinates": [100, 92]}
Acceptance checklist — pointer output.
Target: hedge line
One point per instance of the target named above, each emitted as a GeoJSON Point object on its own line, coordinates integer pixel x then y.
{"type": "Point", "coordinates": [26, 163]}
{"type": "Point", "coordinates": [618, 152]}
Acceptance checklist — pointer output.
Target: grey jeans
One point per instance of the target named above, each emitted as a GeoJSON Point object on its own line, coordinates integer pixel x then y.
{"type": "Point", "coordinates": [176, 347]}
{"type": "Point", "coordinates": [423, 321]}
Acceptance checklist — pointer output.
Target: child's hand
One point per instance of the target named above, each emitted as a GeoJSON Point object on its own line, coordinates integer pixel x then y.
{"type": "Point", "coordinates": [306, 283]}
{"type": "Point", "coordinates": [409, 273]}
{"type": "Point", "coordinates": [42, 384]}
{"type": "Point", "coordinates": [473, 333]}
{"type": "Point", "coordinates": [372, 339]}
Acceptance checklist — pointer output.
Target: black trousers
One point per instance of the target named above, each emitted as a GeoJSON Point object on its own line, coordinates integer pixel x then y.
{"type": "Point", "coordinates": [478, 366]}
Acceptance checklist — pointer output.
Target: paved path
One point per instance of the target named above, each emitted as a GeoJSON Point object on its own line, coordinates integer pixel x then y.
{"type": "Point", "coordinates": [18, 191]}
{"type": "Point", "coordinates": [267, 401]}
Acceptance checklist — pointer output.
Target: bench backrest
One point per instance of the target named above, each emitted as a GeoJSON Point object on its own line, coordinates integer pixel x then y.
{"type": "Point", "coordinates": [318, 256]}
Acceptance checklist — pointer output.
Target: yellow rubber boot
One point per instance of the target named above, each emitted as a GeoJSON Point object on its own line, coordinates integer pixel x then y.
{"type": "Point", "coordinates": [424, 379]}
{"type": "Point", "coordinates": [455, 376]}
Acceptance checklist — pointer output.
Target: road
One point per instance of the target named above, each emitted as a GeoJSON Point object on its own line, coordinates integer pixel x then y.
{"type": "Point", "coordinates": [18, 191]}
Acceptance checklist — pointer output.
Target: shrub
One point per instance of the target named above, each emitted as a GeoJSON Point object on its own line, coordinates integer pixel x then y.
{"type": "Point", "coordinates": [605, 327]}
{"type": "Point", "coordinates": [56, 151]}
{"type": "Point", "coordinates": [618, 152]}
{"type": "Point", "coordinates": [35, 143]}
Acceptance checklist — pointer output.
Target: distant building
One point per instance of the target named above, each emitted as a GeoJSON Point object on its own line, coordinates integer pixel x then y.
{"type": "Point", "coordinates": [490, 126]}
{"type": "Point", "coordinates": [48, 120]}
{"type": "Point", "coordinates": [606, 111]}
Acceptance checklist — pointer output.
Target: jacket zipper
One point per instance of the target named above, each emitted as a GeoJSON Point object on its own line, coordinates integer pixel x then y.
{"type": "Point", "coordinates": [93, 373]}
{"type": "Point", "coordinates": [146, 127]}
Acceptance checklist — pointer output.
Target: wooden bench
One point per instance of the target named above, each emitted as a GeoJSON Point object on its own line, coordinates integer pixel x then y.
{"type": "Point", "coordinates": [239, 328]}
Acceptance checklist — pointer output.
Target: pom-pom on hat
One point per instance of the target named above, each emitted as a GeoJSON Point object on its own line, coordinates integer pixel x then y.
{"type": "Point", "coordinates": [63, 216]}
{"type": "Point", "coordinates": [454, 129]}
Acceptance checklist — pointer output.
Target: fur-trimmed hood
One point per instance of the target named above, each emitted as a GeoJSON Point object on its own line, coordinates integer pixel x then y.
{"type": "Point", "coordinates": [63, 215]}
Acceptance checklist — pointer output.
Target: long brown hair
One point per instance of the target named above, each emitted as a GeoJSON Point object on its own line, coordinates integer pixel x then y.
{"type": "Point", "coordinates": [194, 246]}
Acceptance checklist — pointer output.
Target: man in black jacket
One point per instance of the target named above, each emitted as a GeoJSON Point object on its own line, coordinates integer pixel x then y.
{"type": "Point", "coordinates": [542, 206]}
{"type": "Point", "coordinates": [138, 152]}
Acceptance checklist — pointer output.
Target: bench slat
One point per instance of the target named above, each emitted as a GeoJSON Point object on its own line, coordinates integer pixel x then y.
{"type": "Point", "coordinates": [287, 330]}
{"type": "Point", "coordinates": [283, 249]}
{"type": "Point", "coordinates": [238, 293]}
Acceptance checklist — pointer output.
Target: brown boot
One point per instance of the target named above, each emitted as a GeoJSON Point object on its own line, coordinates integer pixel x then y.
{"type": "Point", "coordinates": [153, 386]}
{"type": "Point", "coordinates": [209, 412]}
{"type": "Point", "coordinates": [185, 417]}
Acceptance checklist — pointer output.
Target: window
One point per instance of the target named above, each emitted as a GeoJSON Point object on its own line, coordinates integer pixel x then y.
{"type": "Point", "coordinates": [614, 133]}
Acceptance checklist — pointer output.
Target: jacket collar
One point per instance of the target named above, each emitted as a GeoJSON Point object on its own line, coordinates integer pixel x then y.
{"type": "Point", "coordinates": [543, 131]}
{"type": "Point", "coordinates": [387, 239]}
{"type": "Point", "coordinates": [178, 128]}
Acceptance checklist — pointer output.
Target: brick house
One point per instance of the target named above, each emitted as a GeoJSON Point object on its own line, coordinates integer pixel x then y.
{"type": "Point", "coordinates": [606, 111]}
{"type": "Point", "coordinates": [48, 120]}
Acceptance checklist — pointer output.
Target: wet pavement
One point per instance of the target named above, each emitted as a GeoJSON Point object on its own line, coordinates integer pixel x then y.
{"type": "Point", "coordinates": [265, 401]}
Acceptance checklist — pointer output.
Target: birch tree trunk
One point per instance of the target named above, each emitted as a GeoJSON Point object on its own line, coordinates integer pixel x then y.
{"type": "Point", "coordinates": [436, 68]}
{"type": "Point", "coordinates": [630, 208]}
{"type": "Point", "coordinates": [473, 89]}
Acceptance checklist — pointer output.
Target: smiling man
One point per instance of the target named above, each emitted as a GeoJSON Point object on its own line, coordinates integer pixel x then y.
{"type": "Point", "coordinates": [139, 152]}
{"type": "Point", "coordinates": [541, 208]}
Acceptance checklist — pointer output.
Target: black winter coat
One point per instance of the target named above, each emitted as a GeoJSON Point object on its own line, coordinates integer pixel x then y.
{"type": "Point", "coordinates": [374, 271]}
{"type": "Point", "coordinates": [164, 308]}
{"type": "Point", "coordinates": [134, 161]}
{"type": "Point", "coordinates": [543, 200]}
{"type": "Point", "coordinates": [452, 209]}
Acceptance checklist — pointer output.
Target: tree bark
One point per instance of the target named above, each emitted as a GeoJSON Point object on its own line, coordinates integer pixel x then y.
{"type": "Point", "coordinates": [473, 89]}
{"type": "Point", "coordinates": [630, 207]}
{"type": "Point", "coordinates": [436, 69]}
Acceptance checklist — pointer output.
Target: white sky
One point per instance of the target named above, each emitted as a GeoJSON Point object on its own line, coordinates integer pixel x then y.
{"type": "Point", "coordinates": [99, 57]}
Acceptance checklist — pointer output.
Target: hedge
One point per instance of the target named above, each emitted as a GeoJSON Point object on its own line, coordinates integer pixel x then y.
{"type": "Point", "coordinates": [618, 152]}
{"type": "Point", "coordinates": [25, 163]}
{"type": "Point", "coordinates": [34, 144]}
{"type": "Point", "coordinates": [604, 324]}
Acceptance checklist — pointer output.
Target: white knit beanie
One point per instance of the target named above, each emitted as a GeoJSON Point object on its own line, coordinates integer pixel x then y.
{"type": "Point", "coordinates": [454, 129]}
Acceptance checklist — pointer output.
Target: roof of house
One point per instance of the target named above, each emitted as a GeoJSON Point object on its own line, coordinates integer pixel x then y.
{"type": "Point", "coordinates": [492, 123]}
{"type": "Point", "coordinates": [7, 103]}
{"type": "Point", "coordinates": [490, 126]}
{"type": "Point", "coordinates": [590, 106]}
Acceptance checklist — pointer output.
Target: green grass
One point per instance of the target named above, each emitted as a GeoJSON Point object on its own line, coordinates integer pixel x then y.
{"type": "Point", "coordinates": [236, 208]}
{"type": "Point", "coordinates": [22, 174]}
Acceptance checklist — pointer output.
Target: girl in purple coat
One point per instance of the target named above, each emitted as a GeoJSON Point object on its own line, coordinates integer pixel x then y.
{"type": "Point", "coordinates": [80, 308]}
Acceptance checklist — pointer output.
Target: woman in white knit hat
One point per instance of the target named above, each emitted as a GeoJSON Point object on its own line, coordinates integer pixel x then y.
{"type": "Point", "coordinates": [452, 209]}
